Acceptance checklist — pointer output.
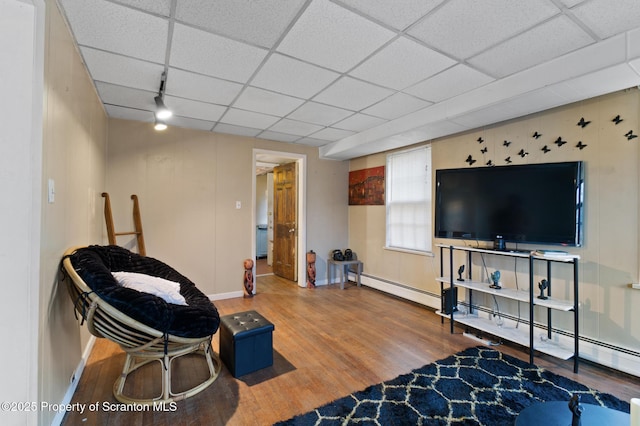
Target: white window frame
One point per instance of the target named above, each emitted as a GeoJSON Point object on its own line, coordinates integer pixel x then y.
{"type": "Point", "coordinates": [409, 223]}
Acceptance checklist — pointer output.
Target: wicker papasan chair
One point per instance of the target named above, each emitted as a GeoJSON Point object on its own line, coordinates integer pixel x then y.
{"type": "Point", "coordinates": [146, 326]}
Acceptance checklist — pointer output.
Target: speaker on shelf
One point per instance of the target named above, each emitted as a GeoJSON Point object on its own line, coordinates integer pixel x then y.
{"type": "Point", "coordinates": [449, 300]}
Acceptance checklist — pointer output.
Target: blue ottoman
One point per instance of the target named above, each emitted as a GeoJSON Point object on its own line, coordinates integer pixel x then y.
{"type": "Point", "coordinates": [246, 342]}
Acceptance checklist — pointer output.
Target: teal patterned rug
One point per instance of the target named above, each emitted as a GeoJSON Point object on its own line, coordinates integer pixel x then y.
{"type": "Point", "coordinates": [479, 386]}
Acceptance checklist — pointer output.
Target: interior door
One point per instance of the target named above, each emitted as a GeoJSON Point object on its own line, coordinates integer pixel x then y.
{"type": "Point", "coordinates": [285, 221]}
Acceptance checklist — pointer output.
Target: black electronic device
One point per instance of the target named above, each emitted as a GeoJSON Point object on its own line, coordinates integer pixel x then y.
{"type": "Point", "coordinates": [531, 203]}
{"type": "Point", "coordinates": [449, 300]}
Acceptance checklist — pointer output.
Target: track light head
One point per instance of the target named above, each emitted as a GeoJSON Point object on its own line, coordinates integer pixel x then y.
{"type": "Point", "coordinates": [162, 112]}
{"type": "Point", "coordinates": [160, 125]}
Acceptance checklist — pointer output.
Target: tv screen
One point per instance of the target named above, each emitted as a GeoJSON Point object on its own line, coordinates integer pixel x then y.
{"type": "Point", "coordinates": [532, 203]}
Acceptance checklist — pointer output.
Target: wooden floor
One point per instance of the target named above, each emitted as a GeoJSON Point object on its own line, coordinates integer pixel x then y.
{"type": "Point", "coordinates": [327, 343]}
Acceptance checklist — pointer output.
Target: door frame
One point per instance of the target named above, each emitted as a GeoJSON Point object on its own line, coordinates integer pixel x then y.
{"type": "Point", "coordinates": [301, 160]}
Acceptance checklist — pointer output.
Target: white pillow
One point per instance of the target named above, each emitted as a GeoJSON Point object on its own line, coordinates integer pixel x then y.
{"type": "Point", "coordinates": [165, 289]}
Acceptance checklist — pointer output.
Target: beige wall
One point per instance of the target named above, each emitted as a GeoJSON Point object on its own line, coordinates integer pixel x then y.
{"type": "Point", "coordinates": [188, 182]}
{"type": "Point", "coordinates": [21, 68]}
{"type": "Point", "coordinates": [609, 257]}
{"type": "Point", "coordinates": [74, 148]}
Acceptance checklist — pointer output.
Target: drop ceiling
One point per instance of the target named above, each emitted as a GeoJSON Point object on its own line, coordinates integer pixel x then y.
{"type": "Point", "coordinates": [353, 77]}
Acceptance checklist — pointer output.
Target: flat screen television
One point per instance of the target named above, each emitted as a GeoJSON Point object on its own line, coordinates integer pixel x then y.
{"type": "Point", "coordinates": [532, 203]}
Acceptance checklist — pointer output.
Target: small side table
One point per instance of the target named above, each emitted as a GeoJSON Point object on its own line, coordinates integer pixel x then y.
{"type": "Point", "coordinates": [343, 265]}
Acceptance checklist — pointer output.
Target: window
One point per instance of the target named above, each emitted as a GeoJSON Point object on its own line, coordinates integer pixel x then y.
{"type": "Point", "coordinates": [408, 200]}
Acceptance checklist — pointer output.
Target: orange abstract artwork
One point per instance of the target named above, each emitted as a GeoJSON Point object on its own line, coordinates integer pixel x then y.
{"type": "Point", "coordinates": [366, 187]}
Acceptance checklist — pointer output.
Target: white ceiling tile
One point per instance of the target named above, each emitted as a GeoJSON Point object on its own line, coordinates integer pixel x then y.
{"type": "Point", "coordinates": [359, 122]}
{"type": "Point", "coordinates": [206, 53]}
{"type": "Point", "coordinates": [463, 28]}
{"type": "Point", "coordinates": [292, 77]}
{"type": "Point", "coordinates": [294, 127]}
{"type": "Point", "coordinates": [311, 142]}
{"type": "Point", "coordinates": [194, 109]}
{"type": "Point", "coordinates": [606, 18]}
{"type": "Point", "coordinates": [331, 134]}
{"type": "Point", "coordinates": [401, 64]}
{"type": "Point", "coordinates": [161, 7]}
{"type": "Point", "coordinates": [122, 70]}
{"type": "Point", "coordinates": [124, 113]}
{"type": "Point", "coordinates": [324, 115]}
{"type": "Point", "coordinates": [396, 106]}
{"type": "Point", "coordinates": [260, 100]}
{"type": "Point", "coordinates": [276, 136]}
{"type": "Point", "coordinates": [190, 123]}
{"type": "Point", "coordinates": [449, 83]}
{"type": "Point", "coordinates": [236, 130]}
{"type": "Point", "coordinates": [109, 26]}
{"type": "Point", "coordinates": [352, 94]}
{"type": "Point", "coordinates": [331, 36]}
{"type": "Point", "coordinates": [125, 96]}
{"type": "Point", "coordinates": [398, 14]}
{"type": "Point", "coordinates": [200, 87]}
{"type": "Point", "coordinates": [545, 42]}
{"type": "Point", "coordinates": [257, 22]}
{"type": "Point", "coordinates": [251, 119]}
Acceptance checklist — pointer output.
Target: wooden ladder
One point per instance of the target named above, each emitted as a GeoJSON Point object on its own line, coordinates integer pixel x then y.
{"type": "Point", "coordinates": [137, 221]}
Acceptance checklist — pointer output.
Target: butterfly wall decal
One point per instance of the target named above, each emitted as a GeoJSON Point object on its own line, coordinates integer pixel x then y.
{"type": "Point", "coordinates": [506, 143]}
{"type": "Point", "coordinates": [583, 123]}
{"type": "Point", "coordinates": [508, 160]}
{"type": "Point", "coordinates": [630, 135]}
{"type": "Point", "coordinates": [580, 145]}
{"type": "Point", "coordinates": [484, 150]}
{"type": "Point", "coordinates": [617, 119]}
{"type": "Point", "coordinates": [523, 153]}
{"type": "Point", "coordinates": [537, 135]}
{"type": "Point", "coordinates": [545, 149]}
{"type": "Point", "coordinates": [490, 163]}
{"type": "Point", "coordinates": [480, 140]}
{"type": "Point", "coordinates": [559, 141]}
{"type": "Point", "coordinates": [470, 160]}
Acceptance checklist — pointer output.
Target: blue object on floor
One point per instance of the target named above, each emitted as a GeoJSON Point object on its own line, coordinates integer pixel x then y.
{"type": "Point", "coordinates": [246, 342]}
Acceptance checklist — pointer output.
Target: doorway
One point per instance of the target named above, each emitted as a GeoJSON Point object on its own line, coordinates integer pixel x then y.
{"type": "Point", "coordinates": [263, 160]}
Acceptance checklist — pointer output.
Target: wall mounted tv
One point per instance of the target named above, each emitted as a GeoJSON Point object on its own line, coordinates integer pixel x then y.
{"type": "Point", "coordinates": [532, 203]}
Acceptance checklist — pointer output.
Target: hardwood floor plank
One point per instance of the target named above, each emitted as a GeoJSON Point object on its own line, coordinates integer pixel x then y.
{"type": "Point", "coordinates": [327, 343]}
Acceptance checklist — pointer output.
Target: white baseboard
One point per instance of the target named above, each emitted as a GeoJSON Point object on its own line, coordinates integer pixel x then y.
{"type": "Point", "coordinates": [404, 292]}
{"type": "Point", "coordinates": [57, 420]}
{"type": "Point", "coordinates": [223, 296]}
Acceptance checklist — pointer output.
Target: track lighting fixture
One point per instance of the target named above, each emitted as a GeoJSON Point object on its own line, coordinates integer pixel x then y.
{"type": "Point", "coordinates": [162, 112]}
{"type": "Point", "coordinates": [160, 125]}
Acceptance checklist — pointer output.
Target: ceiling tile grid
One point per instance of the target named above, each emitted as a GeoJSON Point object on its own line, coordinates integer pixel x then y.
{"type": "Point", "coordinates": [349, 76]}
